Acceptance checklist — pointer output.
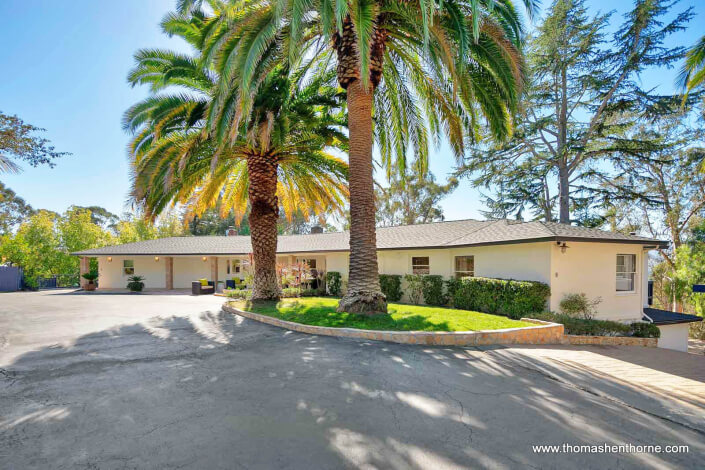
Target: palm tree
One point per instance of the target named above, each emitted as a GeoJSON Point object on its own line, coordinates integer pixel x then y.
{"type": "Point", "coordinates": [277, 158]}
{"type": "Point", "coordinates": [692, 75]}
{"type": "Point", "coordinates": [411, 68]}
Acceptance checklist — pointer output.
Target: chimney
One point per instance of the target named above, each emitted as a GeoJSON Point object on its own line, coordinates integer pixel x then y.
{"type": "Point", "coordinates": [316, 229]}
{"type": "Point", "coordinates": [230, 232]}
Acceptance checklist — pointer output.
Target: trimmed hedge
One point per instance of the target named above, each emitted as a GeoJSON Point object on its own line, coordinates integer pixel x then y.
{"type": "Point", "coordinates": [391, 286]}
{"type": "Point", "coordinates": [498, 296]}
{"type": "Point", "coordinates": [432, 287]}
{"type": "Point", "coordinates": [586, 327]}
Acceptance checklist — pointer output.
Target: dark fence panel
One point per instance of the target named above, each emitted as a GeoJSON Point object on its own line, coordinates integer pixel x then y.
{"type": "Point", "coordinates": [10, 278]}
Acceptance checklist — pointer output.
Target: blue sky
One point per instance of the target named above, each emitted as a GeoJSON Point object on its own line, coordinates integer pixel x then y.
{"type": "Point", "coordinates": [64, 65]}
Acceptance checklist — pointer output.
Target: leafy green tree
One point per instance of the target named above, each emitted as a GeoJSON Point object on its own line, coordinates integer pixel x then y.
{"type": "Point", "coordinates": [584, 91]}
{"type": "Point", "coordinates": [101, 216]}
{"type": "Point", "coordinates": [17, 142]}
{"type": "Point", "coordinates": [412, 199]}
{"type": "Point", "coordinates": [277, 158]}
{"type": "Point", "coordinates": [43, 243]}
{"type": "Point", "coordinates": [13, 209]}
{"type": "Point", "coordinates": [413, 71]}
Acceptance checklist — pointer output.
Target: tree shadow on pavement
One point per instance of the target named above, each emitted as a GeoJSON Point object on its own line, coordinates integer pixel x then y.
{"type": "Point", "coordinates": [218, 391]}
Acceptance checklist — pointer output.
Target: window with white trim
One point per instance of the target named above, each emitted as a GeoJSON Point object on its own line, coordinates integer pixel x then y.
{"type": "Point", "coordinates": [464, 266]}
{"type": "Point", "coordinates": [128, 267]}
{"type": "Point", "coordinates": [420, 265]}
{"type": "Point", "coordinates": [626, 273]}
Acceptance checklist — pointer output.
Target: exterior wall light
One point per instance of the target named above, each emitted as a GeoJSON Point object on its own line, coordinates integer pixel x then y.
{"type": "Point", "coordinates": [563, 246]}
{"type": "Point", "coordinates": [156, 258]}
{"type": "Point", "coordinates": [110, 259]}
{"type": "Point", "coordinates": [205, 258]}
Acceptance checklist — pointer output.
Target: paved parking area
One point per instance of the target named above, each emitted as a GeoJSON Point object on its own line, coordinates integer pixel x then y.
{"type": "Point", "coordinates": [167, 381]}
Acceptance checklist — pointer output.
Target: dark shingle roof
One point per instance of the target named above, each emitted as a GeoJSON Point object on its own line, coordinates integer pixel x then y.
{"type": "Point", "coordinates": [435, 235]}
{"type": "Point", "coordinates": [664, 317]}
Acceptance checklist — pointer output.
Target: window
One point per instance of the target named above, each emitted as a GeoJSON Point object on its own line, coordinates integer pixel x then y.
{"type": "Point", "coordinates": [626, 273]}
{"type": "Point", "coordinates": [235, 266]}
{"type": "Point", "coordinates": [420, 265]}
{"type": "Point", "coordinates": [128, 267]}
{"type": "Point", "coordinates": [464, 266]}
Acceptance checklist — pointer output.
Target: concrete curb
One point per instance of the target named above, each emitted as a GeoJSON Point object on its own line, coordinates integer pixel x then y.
{"type": "Point", "coordinates": [543, 333]}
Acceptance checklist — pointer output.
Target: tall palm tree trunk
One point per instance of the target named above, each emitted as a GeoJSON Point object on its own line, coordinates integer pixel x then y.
{"type": "Point", "coordinates": [363, 294]}
{"type": "Point", "coordinates": [264, 213]}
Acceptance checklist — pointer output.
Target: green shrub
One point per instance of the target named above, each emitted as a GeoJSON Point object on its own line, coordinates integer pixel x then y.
{"type": "Point", "coordinates": [433, 290]}
{"type": "Point", "coordinates": [90, 277]}
{"type": "Point", "coordinates": [589, 327]}
{"type": "Point", "coordinates": [311, 293]}
{"type": "Point", "coordinates": [135, 283]}
{"type": "Point", "coordinates": [391, 286]}
{"type": "Point", "coordinates": [288, 292]}
{"type": "Point", "coordinates": [414, 286]}
{"type": "Point", "coordinates": [696, 330]}
{"type": "Point", "coordinates": [334, 283]}
{"type": "Point", "coordinates": [238, 294]}
{"type": "Point", "coordinates": [499, 296]}
{"type": "Point", "coordinates": [645, 330]}
{"type": "Point", "coordinates": [578, 305]}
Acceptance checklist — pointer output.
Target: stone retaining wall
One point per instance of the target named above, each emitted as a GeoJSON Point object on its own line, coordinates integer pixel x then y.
{"type": "Point", "coordinates": [611, 340]}
{"type": "Point", "coordinates": [542, 333]}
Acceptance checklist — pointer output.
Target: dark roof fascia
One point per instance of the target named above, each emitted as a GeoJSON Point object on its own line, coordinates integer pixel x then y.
{"type": "Point", "coordinates": [678, 318]}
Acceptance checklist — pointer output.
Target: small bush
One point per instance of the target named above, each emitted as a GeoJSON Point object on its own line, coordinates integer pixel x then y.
{"type": "Point", "coordinates": [238, 294]}
{"type": "Point", "coordinates": [499, 296]}
{"type": "Point", "coordinates": [414, 286]}
{"type": "Point", "coordinates": [588, 327]}
{"type": "Point", "coordinates": [578, 305]}
{"type": "Point", "coordinates": [391, 286]}
{"type": "Point", "coordinates": [135, 283]}
{"type": "Point", "coordinates": [433, 290]}
{"type": "Point", "coordinates": [90, 277]}
{"type": "Point", "coordinates": [289, 292]}
{"type": "Point", "coordinates": [697, 330]}
{"type": "Point", "coordinates": [334, 283]}
{"type": "Point", "coordinates": [311, 293]}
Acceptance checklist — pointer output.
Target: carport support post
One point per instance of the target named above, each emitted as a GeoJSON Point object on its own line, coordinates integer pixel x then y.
{"type": "Point", "coordinates": [214, 271]}
{"type": "Point", "coordinates": [169, 270]}
{"type": "Point", "coordinates": [85, 268]}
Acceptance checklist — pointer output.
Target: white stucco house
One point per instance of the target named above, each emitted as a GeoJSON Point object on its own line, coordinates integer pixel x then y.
{"type": "Point", "coordinates": [611, 266]}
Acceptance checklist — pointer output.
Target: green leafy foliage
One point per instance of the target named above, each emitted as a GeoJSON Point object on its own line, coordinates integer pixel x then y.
{"type": "Point", "coordinates": [238, 294]}
{"type": "Point", "coordinates": [578, 305]}
{"type": "Point", "coordinates": [391, 286]}
{"type": "Point", "coordinates": [499, 296]}
{"type": "Point", "coordinates": [433, 290]}
{"type": "Point", "coordinates": [90, 276]}
{"type": "Point", "coordinates": [135, 284]}
{"type": "Point", "coordinates": [334, 283]}
{"type": "Point", "coordinates": [588, 327]}
{"type": "Point", "coordinates": [18, 142]}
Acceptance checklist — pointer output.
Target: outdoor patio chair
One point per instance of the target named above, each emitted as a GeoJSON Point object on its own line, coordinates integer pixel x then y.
{"type": "Point", "coordinates": [199, 289]}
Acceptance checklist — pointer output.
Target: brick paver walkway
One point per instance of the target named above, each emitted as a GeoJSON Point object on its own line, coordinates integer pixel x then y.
{"type": "Point", "coordinates": [663, 372]}
{"type": "Point", "coordinates": [696, 346]}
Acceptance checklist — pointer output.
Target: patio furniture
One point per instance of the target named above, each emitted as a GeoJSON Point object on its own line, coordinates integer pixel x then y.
{"type": "Point", "coordinates": [199, 289]}
{"type": "Point", "coordinates": [235, 283]}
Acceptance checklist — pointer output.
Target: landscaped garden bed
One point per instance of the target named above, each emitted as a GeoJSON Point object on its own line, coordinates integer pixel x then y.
{"type": "Point", "coordinates": [321, 311]}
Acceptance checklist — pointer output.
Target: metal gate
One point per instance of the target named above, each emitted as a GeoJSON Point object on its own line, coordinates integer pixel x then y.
{"type": "Point", "coordinates": [10, 278]}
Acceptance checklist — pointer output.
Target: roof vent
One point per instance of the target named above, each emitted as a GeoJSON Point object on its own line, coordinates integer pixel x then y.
{"type": "Point", "coordinates": [632, 233]}
{"type": "Point", "coordinates": [316, 229]}
{"type": "Point", "coordinates": [230, 232]}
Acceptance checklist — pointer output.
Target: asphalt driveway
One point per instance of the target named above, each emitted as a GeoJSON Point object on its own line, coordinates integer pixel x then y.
{"type": "Point", "coordinates": [170, 381]}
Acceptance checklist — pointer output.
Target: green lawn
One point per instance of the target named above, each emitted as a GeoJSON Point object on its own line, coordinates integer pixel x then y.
{"type": "Point", "coordinates": [320, 311]}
